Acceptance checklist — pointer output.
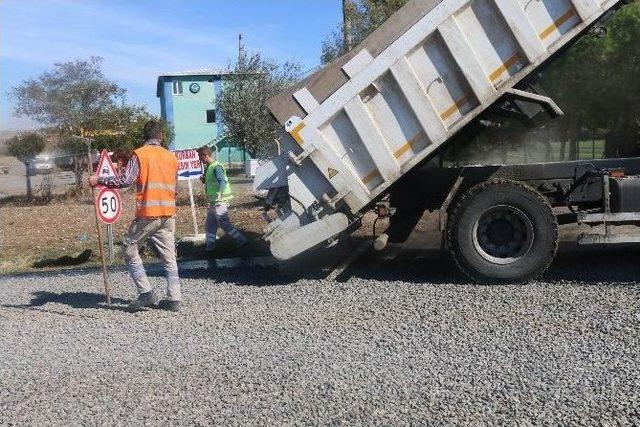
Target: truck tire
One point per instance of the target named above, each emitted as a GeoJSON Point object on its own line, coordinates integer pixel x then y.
{"type": "Point", "coordinates": [502, 232]}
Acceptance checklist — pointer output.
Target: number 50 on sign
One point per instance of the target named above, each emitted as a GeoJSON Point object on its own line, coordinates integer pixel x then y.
{"type": "Point", "coordinates": [109, 205]}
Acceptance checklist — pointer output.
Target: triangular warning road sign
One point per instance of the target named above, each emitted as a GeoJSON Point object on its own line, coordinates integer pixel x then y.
{"type": "Point", "coordinates": [105, 167]}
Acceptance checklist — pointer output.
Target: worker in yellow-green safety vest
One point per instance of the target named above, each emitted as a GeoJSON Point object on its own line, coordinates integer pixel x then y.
{"type": "Point", "coordinates": [219, 195]}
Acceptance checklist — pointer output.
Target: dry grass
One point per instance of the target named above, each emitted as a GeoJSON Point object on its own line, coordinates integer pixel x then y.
{"type": "Point", "coordinates": [65, 226]}
{"type": "Point", "coordinates": [52, 232]}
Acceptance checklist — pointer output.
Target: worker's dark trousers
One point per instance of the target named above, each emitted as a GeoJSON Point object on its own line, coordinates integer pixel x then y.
{"type": "Point", "coordinates": [161, 231]}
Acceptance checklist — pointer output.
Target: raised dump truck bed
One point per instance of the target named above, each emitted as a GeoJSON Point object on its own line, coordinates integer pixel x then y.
{"type": "Point", "coordinates": [363, 122]}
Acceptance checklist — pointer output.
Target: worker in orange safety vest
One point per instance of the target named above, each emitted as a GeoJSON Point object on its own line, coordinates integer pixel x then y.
{"type": "Point", "coordinates": [154, 170]}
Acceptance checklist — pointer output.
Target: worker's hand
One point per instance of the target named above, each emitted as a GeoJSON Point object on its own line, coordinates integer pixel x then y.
{"type": "Point", "coordinates": [93, 180]}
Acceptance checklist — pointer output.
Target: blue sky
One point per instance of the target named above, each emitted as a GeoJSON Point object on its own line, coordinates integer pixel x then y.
{"type": "Point", "coordinates": [142, 38]}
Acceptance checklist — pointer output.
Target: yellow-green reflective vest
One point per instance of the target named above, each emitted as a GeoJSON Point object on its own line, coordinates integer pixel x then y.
{"type": "Point", "coordinates": [212, 186]}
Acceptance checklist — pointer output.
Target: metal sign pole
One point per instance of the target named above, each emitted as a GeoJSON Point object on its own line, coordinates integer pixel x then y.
{"type": "Point", "coordinates": [107, 291]}
{"type": "Point", "coordinates": [193, 208]}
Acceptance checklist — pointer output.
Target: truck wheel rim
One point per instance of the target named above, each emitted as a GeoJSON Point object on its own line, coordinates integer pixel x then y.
{"type": "Point", "coordinates": [503, 235]}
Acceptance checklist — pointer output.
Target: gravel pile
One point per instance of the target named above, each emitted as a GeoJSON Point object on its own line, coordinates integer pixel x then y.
{"type": "Point", "coordinates": [262, 347]}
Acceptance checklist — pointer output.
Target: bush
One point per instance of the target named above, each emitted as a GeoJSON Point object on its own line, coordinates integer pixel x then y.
{"type": "Point", "coordinates": [26, 146]}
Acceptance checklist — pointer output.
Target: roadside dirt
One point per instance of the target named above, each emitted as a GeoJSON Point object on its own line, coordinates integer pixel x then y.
{"type": "Point", "coordinates": [31, 233]}
{"type": "Point", "coordinates": [62, 232]}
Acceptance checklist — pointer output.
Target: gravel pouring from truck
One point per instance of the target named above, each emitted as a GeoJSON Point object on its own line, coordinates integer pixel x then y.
{"type": "Point", "coordinates": [358, 126]}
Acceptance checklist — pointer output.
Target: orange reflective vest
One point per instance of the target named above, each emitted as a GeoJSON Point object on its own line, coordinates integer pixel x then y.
{"type": "Point", "coordinates": [156, 184]}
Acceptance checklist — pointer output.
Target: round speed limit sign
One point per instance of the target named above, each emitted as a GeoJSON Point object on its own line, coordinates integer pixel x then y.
{"type": "Point", "coordinates": [109, 205]}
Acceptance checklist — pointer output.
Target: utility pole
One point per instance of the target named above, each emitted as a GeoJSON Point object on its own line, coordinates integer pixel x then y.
{"type": "Point", "coordinates": [240, 48]}
{"type": "Point", "coordinates": [347, 9]}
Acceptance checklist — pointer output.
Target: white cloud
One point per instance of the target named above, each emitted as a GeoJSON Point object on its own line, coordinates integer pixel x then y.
{"type": "Point", "coordinates": [135, 48]}
{"type": "Point", "coordinates": [84, 29]}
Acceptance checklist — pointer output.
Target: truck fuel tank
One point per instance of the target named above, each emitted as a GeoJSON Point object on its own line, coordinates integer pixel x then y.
{"type": "Point", "coordinates": [625, 194]}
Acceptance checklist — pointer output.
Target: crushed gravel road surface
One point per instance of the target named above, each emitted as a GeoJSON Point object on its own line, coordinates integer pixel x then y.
{"type": "Point", "coordinates": [403, 342]}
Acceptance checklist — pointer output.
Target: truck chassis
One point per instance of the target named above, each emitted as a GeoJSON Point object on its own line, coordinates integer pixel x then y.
{"type": "Point", "coordinates": [500, 223]}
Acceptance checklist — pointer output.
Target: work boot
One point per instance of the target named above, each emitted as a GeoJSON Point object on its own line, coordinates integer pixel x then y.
{"type": "Point", "coordinates": [211, 247]}
{"type": "Point", "coordinates": [147, 299]}
{"type": "Point", "coordinates": [170, 305]}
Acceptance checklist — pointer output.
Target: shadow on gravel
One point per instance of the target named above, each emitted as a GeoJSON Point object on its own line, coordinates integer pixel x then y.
{"type": "Point", "coordinates": [587, 265]}
{"type": "Point", "coordinates": [225, 248]}
{"type": "Point", "coordinates": [429, 267]}
{"type": "Point", "coordinates": [410, 266]}
{"type": "Point", "coordinates": [599, 265]}
{"type": "Point", "coordinates": [64, 261]}
{"type": "Point", "coordinates": [255, 276]}
{"type": "Point", "coordinates": [79, 300]}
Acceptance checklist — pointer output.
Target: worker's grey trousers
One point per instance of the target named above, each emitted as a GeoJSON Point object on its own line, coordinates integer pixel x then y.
{"type": "Point", "coordinates": [161, 231]}
{"type": "Point", "coordinates": [218, 216]}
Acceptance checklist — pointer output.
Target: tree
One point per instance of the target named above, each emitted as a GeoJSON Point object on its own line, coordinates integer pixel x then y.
{"type": "Point", "coordinates": [596, 84]}
{"type": "Point", "coordinates": [348, 11]}
{"type": "Point", "coordinates": [572, 84]}
{"type": "Point", "coordinates": [622, 53]}
{"type": "Point", "coordinates": [25, 147]}
{"type": "Point", "coordinates": [243, 101]}
{"type": "Point", "coordinates": [74, 98]}
{"type": "Point", "coordinates": [125, 130]}
{"type": "Point", "coordinates": [77, 101]}
{"type": "Point", "coordinates": [360, 18]}
{"type": "Point", "coordinates": [125, 133]}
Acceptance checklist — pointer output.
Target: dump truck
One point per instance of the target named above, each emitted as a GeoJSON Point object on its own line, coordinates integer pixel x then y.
{"type": "Point", "coordinates": [361, 134]}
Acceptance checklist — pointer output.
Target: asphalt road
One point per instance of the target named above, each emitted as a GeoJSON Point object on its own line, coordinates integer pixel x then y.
{"type": "Point", "coordinates": [402, 342]}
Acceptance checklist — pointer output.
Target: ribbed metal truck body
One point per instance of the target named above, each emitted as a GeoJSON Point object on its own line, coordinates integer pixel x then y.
{"type": "Point", "coordinates": [357, 126]}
